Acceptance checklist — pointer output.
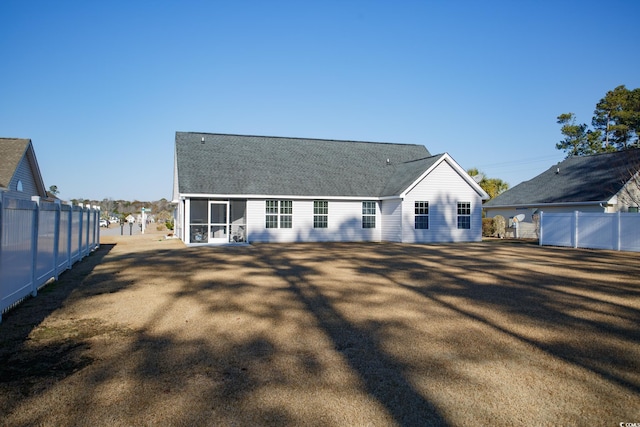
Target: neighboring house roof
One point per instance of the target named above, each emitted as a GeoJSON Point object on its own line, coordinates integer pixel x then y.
{"type": "Point", "coordinates": [577, 179]}
{"type": "Point", "coordinates": [13, 151]}
{"type": "Point", "coordinates": [259, 165]}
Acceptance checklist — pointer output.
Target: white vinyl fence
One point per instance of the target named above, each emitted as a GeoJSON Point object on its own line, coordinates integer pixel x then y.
{"type": "Point", "coordinates": [615, 231]}
{"type": "Point", "coordinates": [39, 240]}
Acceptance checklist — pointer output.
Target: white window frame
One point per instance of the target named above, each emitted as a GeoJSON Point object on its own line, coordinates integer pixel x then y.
{"type": "Point", "coordinates": [464, 216]}
{"type": "Point", "coordinates": [421, 212]}
{"type": "Point", "coordinates": [278, 214]}
{"type": "Point", "coordinates": [369, 209]}
{"type": "Point", "coordinates": [320, 214]}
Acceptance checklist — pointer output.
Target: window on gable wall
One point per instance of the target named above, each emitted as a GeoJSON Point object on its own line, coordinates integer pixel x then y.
{"type": "Point", "coordinates": [464, 215]}
{"type": "Point", "coordinates": [320, 214]}
{"type": "Point", "coordinates": [421, 215]}
{"type": "Point", "coordinates": [368, 214]}
{"type": "Point", "coordinates": [279, 214]}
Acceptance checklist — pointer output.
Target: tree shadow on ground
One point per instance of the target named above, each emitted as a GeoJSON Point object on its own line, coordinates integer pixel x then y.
{"type": "Point", "coordinates": [35, 367]}
{"type": "Point", "coordinates": [384, 378]}
{"type": "Point", "coordinates": [567, 312]}
{"type": "Point", "coordinates": [315, 334]}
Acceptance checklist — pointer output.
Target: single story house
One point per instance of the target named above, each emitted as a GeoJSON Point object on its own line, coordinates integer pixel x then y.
{"type": "Point", "coordinates": [239, 188]}
{"type": "Point", "coordinates": [606, 182]}
{"type": "Point", "coordinates": [20, 176]}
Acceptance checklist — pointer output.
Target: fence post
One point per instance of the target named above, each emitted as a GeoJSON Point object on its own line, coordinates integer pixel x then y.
{"type": "Point", "coordinates": [575, 229]}
{"type": "Point", "coordinates": [98, 227]}
{"type": "Point", "coordinates": [1, 218]}
{"type": "Point", "coordinates": [69, 236]}
{"type": "Point", "coordinates": [618, 236]}
{"type": "Point", "coordinates": [34, 246]}
{"type": "Point", "coordinates": [541, 229]}
{"type": "Point", "coordinates": [80, 225]}
{"type": "Point", "coordinates": [56, 238]}
{"type": "Point", "coordinates": [88, 229]}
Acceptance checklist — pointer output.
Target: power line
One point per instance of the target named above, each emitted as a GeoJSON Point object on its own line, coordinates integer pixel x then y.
{"type": "Point", "coordinates": [508, 163]}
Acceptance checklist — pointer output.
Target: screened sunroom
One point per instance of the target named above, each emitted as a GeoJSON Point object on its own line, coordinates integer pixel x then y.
{"type": "Point", "coordinates": [215, 221]}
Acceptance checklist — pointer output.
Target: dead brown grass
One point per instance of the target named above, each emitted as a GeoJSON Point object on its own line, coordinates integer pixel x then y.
{"type": "Point", "coordinates": [148, 332]}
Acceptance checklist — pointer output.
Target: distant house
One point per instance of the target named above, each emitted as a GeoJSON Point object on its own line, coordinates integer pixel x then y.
{"type": "Point", "coordinates": [606, 182]}
{"type": "Point", "coordinates": [19, 172]}
{"type": "Point", "coordinates": [238, 188]}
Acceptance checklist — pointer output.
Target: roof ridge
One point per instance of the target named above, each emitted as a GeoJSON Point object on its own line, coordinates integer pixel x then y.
{"type": "Point", "coordinates": [299, 138]}
{"type": "Point", "coordinates": [607, 153]}
{"type": "Point", "coordinates": [424, 158]}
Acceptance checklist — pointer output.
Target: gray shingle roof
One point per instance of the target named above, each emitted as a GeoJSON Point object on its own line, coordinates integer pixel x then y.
{"type": "Point", "coordinates": [12, 151]}
{"type": "Point", "coordinates": [259, 165]}
{"type": "Point", "coordinates": [593, 178]}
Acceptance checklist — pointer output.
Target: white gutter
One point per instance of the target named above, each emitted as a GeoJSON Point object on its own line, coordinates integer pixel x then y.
{"type": "Point", "coordinates": [280, 196]}
{"type": "Point", "coordinates": [539, 205]}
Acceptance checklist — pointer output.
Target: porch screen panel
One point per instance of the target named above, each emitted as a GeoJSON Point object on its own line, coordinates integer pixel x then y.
{"type": "Point", "coordinates": [237, 219]}
{"type": "Point", "coordinates": [198, 211]}
{"type": "Point", "coordinates": [218, 214]}
{"type": "Point", "coordinates": [198, 220]}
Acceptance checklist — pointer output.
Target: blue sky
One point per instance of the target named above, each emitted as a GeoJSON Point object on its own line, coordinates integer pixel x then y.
{"type": "Point", "coordinates": [102, 87]}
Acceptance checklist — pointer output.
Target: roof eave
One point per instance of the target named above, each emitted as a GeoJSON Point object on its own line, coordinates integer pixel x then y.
{"type": "Point", "coordinates": [182, 196]}
{"type": "Point", "coordinates": [556, 204]}
{"type": "Point", "coordinates": [38, 175]}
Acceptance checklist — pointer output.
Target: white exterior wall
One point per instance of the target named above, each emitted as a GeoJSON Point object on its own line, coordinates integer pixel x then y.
{"type": "Point", "coordinates": [629, 196]}
{"type": "Point", "coordinates": [443, 188]}
{"type": "Point", "coordinates": [391, 220]}
{"type": "Point", "coordinates": [345, 223]}
{"type": "Point", "coordinates": [23, 174]}
{"type": "Point", "coordinates": [527, 228]}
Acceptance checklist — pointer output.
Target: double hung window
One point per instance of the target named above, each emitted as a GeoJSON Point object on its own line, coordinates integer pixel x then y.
{"type": "Point", "coordinates": [368, 214]}
{"type": "Point", "coordinates": [320, 214]}
{"type": "Point", "coordinates": [421, 215]}
{"type": "Point", "coordinates": [464, 215]}
{"type": "Point", "coordinates": [279, 214]}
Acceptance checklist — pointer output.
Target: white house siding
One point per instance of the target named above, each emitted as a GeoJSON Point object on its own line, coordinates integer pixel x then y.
{"type": "Point", "coordinates": [179, 220]}
{"type": "Point", "coordinates": [391, 220]}
{"type": "Point", "coordinates": [344, 225]}
{"type": "Point", "coordinates": [628, 196]}
{"type": "Point", "coordinates": [443, 188]}
{"type": "Point", "coordinates": [528, 229]}
{"type": "Point", "coordinates": [23, 174]}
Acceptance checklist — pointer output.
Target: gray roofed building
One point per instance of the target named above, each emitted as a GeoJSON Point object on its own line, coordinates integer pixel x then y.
{"type": "Point", "coordinates": [581, 179]}
{"type": "Point", "coordinates": [261, 165]}
{"type": "Point", "coordinates": [19, 171]}
{"type": "Point", "coordinates": [604, 182]}
{"type": "Point", "coordinates": [232, 188]}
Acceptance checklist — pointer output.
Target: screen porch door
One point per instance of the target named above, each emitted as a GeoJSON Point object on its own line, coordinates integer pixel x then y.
{"type": "Point", "coordinates": [218, 222]}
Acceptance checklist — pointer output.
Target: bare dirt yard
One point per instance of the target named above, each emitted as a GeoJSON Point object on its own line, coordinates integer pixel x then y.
{"type": "Point", "coordinates": [146, 331]}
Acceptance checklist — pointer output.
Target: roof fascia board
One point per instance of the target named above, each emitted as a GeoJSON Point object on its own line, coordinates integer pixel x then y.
{"type": "Point", "coordinates": [278, 196]}
{"type": "Point", "coordinates": [30, 153]}
{"type": "Point", "coordinates": [463, 174]}
{"type": "Point", "coordinates": [539, 205]}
